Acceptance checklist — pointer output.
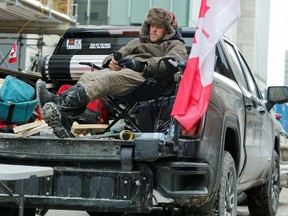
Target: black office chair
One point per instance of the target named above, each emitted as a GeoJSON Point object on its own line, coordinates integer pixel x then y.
{"type": "Point", "coordinates": [149, 92]}
{"type": "Point", "coordinates": [148, 96]}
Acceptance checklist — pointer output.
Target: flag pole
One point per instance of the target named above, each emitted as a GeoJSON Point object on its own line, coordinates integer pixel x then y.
{"type": "Point", "coordinates": [19, 53]}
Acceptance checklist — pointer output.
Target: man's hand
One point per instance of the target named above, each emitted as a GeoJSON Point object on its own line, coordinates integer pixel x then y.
{"type": "Point", "coordinates": [113, 65]}
{"type": "Point", "coordinates": [171, 65]}
{"type": "Point", "coordinates": [132, 64]}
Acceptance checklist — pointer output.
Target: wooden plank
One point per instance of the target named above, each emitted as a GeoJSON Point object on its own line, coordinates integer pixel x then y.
{"type": "Point", "coordinates": [87, 128]}
{"type": "Point", "coordinates": [33, 131]}
{"type": "Point", "coordinates": [28, 126]}
{"type": "Point", "coordinates": [79, 135]}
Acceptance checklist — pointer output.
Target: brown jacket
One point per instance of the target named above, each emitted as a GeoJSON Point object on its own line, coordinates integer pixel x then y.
{"type": "Point", "coordinates": [145, 51]}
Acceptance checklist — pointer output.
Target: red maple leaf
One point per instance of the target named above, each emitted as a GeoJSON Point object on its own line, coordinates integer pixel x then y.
{"type": "Point", "coordinates": [203, 9]}
{"type": "Point", "coordinates": [71, 42]}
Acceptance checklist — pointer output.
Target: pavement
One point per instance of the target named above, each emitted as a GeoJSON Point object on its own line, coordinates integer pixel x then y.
{"type": "Point", "coordinates": [66, 213]}
{"type": "Point", "coordinates": [242, 210]}
{"type": "Point", "coordinates": [283, 205]}
{"type": "Point", "coordinates": [282, 210]}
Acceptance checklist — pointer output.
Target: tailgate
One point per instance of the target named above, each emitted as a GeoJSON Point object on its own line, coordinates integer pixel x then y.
{"type": "Point", "coordinates": [88, 174]}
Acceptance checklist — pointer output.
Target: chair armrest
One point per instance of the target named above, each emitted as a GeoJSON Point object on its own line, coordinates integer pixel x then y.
{"type": "Point", "coordinates": [92, 65]}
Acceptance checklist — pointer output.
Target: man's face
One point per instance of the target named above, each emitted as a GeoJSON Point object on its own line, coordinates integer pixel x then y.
{"type": "Point", "coordinates": [157, 32]}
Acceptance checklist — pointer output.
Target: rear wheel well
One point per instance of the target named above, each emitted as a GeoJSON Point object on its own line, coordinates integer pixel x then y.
{"type": "Point", "coordinates": [231, 144]}
{"type": "Point", "coordinates": [277, 145]}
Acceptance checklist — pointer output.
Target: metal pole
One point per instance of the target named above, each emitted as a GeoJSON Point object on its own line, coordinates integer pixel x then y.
{"type": "Point", "coordinates": [129, 12]}
{"type": "Point", "coordinates": [88, 11]}
{"type": "Point", "coordinates": [19, 53]}
{"type": "Point", "coordinates": [108, 12]}
{"type": "Point", "coordinates": [21, 201]}
{"type": "Point", "coordinates": [75, 17]}
{"type": "Point", "coordinates": [68, 8]}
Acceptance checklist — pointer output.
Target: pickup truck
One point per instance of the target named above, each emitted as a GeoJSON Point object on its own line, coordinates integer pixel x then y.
{"type": "Point", "coordinates": [234, 149]}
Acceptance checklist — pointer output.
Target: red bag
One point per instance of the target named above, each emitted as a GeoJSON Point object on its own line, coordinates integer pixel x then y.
{"type": "Point", "coordinates": [99, 107]}
{"type": "Point", "coordinates": [6, 127]}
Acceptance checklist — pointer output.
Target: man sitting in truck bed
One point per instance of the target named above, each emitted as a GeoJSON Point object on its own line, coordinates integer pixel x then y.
{"type": "Point", "coordinates": [158, 38]}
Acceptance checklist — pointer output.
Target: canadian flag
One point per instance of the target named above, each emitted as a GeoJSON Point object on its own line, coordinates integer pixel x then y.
{"type": "Point", "coordinates": [13, 54]}
{"type": "Point", "coordinates": [215, 18]}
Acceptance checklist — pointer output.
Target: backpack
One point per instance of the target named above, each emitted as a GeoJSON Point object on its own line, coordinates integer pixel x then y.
{"type": "Point", "coordinates": [17, 100]}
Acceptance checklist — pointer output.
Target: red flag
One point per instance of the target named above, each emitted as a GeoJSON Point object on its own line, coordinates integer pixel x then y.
{"type": "Point", "coordinates": [13, 54]}
{"type": "Point", "coordinates": [215, 18]}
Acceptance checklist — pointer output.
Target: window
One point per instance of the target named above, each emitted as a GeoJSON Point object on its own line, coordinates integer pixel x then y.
{"type": "Point", "coordinates": [93, 14]}
{"type": "Point", "coordinates": [234, 58]}
{"type": "Point", "coordinates": [243, 72]}
{"type": "Point", "coordinates": [250, 80]}
{"type": "Point", "coordinates": [221, 64]}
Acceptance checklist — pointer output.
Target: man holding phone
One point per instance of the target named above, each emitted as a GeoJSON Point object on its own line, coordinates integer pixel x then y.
{"type": "Point", "coordinates": [123, 71]}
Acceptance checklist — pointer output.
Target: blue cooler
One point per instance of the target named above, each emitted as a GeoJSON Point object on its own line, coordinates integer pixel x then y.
{"type": "Point", "coordinates": [17, 100]}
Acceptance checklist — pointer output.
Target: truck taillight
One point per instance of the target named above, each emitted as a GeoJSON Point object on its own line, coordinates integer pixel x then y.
{"type": "Point", "coordinates": [131, 33]}
{"type": "Point", "coordinates": [196, 130]}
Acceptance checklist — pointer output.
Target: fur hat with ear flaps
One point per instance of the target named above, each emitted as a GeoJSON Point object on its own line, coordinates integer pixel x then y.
{"type": "Point", "coordinates": [160, 17]}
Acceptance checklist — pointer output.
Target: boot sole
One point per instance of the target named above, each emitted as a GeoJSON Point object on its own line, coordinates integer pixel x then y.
{"type": "Point", "coordinates": [52, 117]}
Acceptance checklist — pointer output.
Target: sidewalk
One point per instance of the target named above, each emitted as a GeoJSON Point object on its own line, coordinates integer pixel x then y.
{"type": "Point", "coordinates": [242, 211]}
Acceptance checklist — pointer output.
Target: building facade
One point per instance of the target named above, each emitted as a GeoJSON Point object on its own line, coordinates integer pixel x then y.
{"type": "Point", "coordinates": [129, 12]}
{"type": "Point", "coordinates": [286, 68]}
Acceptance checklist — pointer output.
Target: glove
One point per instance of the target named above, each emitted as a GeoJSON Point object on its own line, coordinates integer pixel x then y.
{"type": "Point", "coordinates": [171, 67]}
{"type": "Point", "coordinates": [132, 64]}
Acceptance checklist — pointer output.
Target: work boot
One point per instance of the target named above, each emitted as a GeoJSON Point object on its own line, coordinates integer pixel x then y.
{"type": "Point", "coordinates": [57, 120]}
{"type": "Point", "coordinates": [43, 95]}
{"type": "Point", "coordinates": [64, 109]}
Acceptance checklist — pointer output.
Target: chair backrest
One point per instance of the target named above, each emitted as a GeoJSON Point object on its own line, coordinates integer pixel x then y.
{"type": "Point", "coordinates": [147, 91]}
